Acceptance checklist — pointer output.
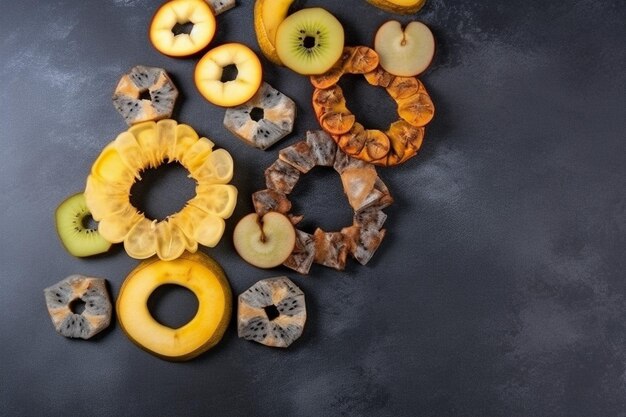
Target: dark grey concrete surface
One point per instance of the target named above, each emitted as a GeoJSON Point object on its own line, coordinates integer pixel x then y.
{"type": "Point", "coordinates": [499, 290]}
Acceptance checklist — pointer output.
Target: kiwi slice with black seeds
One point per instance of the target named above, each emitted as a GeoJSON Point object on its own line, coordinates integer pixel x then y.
{"type": "Point", "coordinates": [310, 41]}
{"type": "Point", "coordinates": [76, 230]}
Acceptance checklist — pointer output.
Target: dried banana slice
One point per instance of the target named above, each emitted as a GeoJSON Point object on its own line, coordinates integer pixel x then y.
{"type": "Point", "coordinates": [264, 119]}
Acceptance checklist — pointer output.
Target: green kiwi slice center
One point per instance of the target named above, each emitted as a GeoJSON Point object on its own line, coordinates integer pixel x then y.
{"type": "Point", "coordinates": [310, 40]}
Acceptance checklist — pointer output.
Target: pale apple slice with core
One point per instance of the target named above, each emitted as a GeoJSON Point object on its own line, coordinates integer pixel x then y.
{"type": "Point", "coordinates": [407, 52]}
{"type": "Point", "coordinates": [264, 242]}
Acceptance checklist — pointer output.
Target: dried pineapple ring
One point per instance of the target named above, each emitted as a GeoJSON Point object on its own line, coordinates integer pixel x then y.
{"type": "Point", "coordinates": [366, 193]}
{"type": "Point", "coordinates": [148, 145]}
{"type": "Point", "coordinates": [401, 140]}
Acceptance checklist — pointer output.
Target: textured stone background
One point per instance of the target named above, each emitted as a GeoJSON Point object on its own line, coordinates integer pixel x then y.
{"type": "Point", "coordinates": [499, 290]}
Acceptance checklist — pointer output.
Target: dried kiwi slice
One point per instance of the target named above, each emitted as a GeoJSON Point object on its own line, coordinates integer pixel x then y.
{"type": "Point", "coordinates": [72, 222]}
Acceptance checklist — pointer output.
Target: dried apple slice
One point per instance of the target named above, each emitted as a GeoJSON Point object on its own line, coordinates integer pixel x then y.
{"type": "Point", "coordinates": [164, 35]}
{"type": "Point", "coordinates": [210, 70]}
{"type": "Point", "coordinates": [264, 242]}
{"type": "Point", "coordinates": [406, 52]}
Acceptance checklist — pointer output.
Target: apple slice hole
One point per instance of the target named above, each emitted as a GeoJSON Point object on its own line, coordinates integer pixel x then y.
{"type": "Point", "coordinates": [182, 28]}
{"type": "Point", "coordinates": [257, 114]}
{"type": "Point", "coordinates": [229, 73]}
{"type": "Point", "coordinates": [271, 311]}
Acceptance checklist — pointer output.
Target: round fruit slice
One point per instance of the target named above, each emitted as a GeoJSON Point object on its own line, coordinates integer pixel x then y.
{"type": "Point", "coordinates": [272, 312]}
{"type": "Point", "coordinates": [264, 242]}
{"type": "Point", "coordinates": [145, 93]}
{"type": "Point", "coordinates": [405, 52]}
{"type": "Point", "coordinates": [196, 272]}
{"type": "Point", "coordinates": [150, 144]}
{"type": "Point", "coordinates": [170, 33]}
{"type": "Point", "coordinates": [264, 119]}
{"type": "Point", "coordinates": [212, 83]}
{"type": "Point", "coordinates": [63, 299]}
{"type": "Point", "coordinates": [310, 41]}
{"type": "Point", "coordinates": [72, 218]}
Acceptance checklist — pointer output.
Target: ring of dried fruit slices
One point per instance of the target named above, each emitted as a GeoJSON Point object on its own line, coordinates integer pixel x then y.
{"type": "Point", "coordinates": [402, 139]}
{"type": "Point", "coordinates": [366, 193]}
{"type": "Point", "coordinates": [148, 145]}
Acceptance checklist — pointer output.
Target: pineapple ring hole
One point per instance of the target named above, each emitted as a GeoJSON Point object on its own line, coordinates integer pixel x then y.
{"type": "Point", "coordinates": [173, 305]}
{"type": "Point", "coordinates": [170, 180]}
